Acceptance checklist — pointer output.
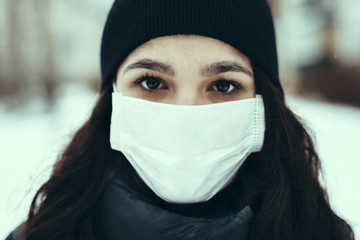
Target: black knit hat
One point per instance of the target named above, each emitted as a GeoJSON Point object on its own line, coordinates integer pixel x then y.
{"type": "Point", "coordinates": [246, 25]}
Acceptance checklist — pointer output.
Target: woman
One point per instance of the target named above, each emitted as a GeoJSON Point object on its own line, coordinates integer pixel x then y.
{"type": "Point", "coordinates": [190, 137]}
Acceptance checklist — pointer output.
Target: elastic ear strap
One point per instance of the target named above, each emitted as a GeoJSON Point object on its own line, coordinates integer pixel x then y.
{"type": "Point", "coordinates": [114, 87]}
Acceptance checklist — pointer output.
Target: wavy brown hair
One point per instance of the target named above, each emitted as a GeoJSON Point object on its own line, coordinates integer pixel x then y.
{"type": "Point", "coordinates": [283, 180]}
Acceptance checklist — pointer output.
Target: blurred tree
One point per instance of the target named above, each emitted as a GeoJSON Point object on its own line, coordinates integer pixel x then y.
{"type": "Point", "coordinates": [48, 43]}
{"type": "Point", "coordinates": [274, 4]}
{"type": "Point", "coordinates": [328, 76]}
{"type": "Point", "coordinates": [30, 57]}
{"type": "Point", "coordinates": [47, 74]}
{"type": "Point", "coordinates": [14, 71]}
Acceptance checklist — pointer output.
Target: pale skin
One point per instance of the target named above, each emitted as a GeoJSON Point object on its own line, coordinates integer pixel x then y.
{"type": "Point", "coordinates": [186, 70]}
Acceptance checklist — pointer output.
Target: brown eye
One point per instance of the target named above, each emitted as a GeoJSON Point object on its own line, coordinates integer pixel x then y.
{"type": "Point", "coordinates": [223, 86]}
{"type": "Point", "coordinates": [151, 83]}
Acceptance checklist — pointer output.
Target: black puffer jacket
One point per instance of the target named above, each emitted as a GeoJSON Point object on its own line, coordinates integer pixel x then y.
{"type": "Point", "coordinates": [129, 210]}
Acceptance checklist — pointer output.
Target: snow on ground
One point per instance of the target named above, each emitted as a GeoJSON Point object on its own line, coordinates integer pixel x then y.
{"type": "Point", "coordinates": [30, 140]}
{"type": "Point", "coordinates": [337, 139]}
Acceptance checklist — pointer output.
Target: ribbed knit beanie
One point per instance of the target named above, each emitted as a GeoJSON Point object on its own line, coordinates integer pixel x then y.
{"type": "Point", "coordinates": [246, 25]}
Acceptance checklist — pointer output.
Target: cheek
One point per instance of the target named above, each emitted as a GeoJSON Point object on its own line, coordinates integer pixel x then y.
{"type": "Point", "coordinates": [218, 97]}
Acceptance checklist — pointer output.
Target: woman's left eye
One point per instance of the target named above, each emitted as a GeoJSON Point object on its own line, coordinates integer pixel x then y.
{"type": "Point", "coordinates": [225, 86]}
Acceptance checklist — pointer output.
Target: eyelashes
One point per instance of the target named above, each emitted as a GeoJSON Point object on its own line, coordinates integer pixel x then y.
{"type": "Point", "coordinates": [151, 84]}
{"type": "Point", "coordinates": [225, 86]}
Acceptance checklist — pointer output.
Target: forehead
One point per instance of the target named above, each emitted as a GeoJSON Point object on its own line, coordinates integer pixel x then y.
{"type": "Point", "coordinates": [177, 47]}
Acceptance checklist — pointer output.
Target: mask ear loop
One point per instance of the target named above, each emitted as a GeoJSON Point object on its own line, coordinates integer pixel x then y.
{"type": "Point", "coordinates": [114, 87]}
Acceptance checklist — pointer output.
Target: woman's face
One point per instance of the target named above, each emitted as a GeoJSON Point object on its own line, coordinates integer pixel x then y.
{"type": "Point", "coordinates": [186, 70]}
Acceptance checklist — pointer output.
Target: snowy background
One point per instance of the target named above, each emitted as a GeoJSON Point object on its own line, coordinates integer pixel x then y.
{"type": "Point", "coordinates": [31, 138]}
{"type": "Point", "coordinates": [49, 73]}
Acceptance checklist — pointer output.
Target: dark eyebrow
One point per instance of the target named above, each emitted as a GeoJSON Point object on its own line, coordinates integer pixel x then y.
{"type": "Point", "coordinates": [224, 66]}
{"type": "Point", "coordinates": [152, 65]}
{"type": "Point", "coordinates": [209, 70]}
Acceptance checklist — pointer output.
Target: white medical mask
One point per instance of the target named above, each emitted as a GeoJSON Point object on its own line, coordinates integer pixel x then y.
{"type": "Point", "coordinates": [186, 154]}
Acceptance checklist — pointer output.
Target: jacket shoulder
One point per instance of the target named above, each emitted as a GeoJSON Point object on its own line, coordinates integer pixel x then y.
{"type": "Point", "coordinates": [17, 234]}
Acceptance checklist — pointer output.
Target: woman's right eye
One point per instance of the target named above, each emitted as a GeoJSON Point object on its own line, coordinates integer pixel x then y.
{"type": "Point", "coordinates": [150, 83]}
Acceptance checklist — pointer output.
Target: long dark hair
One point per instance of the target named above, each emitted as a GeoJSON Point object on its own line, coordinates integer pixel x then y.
{"type": "Point", "coordinates": [289, 201]}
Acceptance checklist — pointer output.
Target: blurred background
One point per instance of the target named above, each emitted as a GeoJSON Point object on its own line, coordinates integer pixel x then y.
{"type": "Point", "coordinates": [50, 78]}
